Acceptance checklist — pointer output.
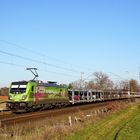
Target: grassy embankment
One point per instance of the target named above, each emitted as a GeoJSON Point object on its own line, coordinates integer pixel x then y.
{"type": "Point", "coordinates": [120, 122]}
{"type": "Point", "coordinates": [123, 125]}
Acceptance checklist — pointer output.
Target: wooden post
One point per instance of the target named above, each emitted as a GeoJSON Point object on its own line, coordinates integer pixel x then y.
{"type": "Point", "coordinates": [70, 121]}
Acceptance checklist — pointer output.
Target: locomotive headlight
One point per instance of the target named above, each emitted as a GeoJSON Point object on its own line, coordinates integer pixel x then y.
{"type": "Point", "coordinates": [24, 97]}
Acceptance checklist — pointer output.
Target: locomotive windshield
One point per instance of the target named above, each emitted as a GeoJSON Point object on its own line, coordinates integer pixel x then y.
{"type": "Point", "coordinates": [18, 87]}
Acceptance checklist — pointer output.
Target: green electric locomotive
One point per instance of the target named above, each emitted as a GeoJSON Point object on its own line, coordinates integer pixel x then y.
{"type": "Point", "coordinates": [32, 95]}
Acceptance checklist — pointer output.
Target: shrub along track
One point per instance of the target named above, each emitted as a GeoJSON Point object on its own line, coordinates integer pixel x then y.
{"type": "Point", "coordinates": [10, 119]}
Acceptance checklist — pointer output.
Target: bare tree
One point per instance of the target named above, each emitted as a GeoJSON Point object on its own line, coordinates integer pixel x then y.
{"type": "Point", "coordinates": [91, 85]}
{"type": "Point", "coordinates": [4, 91]}
{"type": "Point", "coordinates": [75, 85]}
{"type": "Point", "coordinates": [122, 85]}
{"type": "Point", "coordinates": [133, 84]}
{"type": "Point", "coordinates": [102, 81]}
{"type": "Point", "coordinates": [78, 85]}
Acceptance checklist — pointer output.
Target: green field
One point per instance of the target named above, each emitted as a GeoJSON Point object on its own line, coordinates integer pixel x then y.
{"type": "Point", "coordinates": [124, 125]}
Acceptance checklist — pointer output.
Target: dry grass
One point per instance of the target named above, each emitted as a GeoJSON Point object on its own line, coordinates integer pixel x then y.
{"type": "Point", "coordinates": [56, 128]}
{"type": "Point", "coordinates": [3, 98]}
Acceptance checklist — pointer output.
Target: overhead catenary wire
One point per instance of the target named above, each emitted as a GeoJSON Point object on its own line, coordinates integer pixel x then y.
{"type": "Point", "coordinates": [37, 61]}
{"type": "Point", "coordinates": [12, 64]}
{"type": "Point", "coordinates": [43, 70]}
{"type": "Point", "coordinates": [58, 73]}
{"type": "Point", "coordinates": [35, 52]}
{"type": "Point", "coordinates": [21, 47]}
{"type": "Point", "coordinates": [117, 75]}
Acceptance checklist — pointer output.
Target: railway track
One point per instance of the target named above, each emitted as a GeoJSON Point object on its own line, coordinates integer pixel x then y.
{"type": "Point", "coordinates": [20, 118]}
{"type": "Point", "coordinates": [6, 115]}
{"type": "Point", "coordinates": [10, 119]}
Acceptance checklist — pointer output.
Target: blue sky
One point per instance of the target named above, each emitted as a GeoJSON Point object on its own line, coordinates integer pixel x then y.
{"type": "Point", "coordinates": [81, 35]}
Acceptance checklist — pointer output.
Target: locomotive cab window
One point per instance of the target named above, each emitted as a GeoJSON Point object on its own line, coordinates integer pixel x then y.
{"type": "Point", "coordinates": [18, 88]}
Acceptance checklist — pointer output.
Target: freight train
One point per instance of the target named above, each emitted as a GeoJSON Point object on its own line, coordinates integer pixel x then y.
{"type": "Point", "coordinates": [25, 96]}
